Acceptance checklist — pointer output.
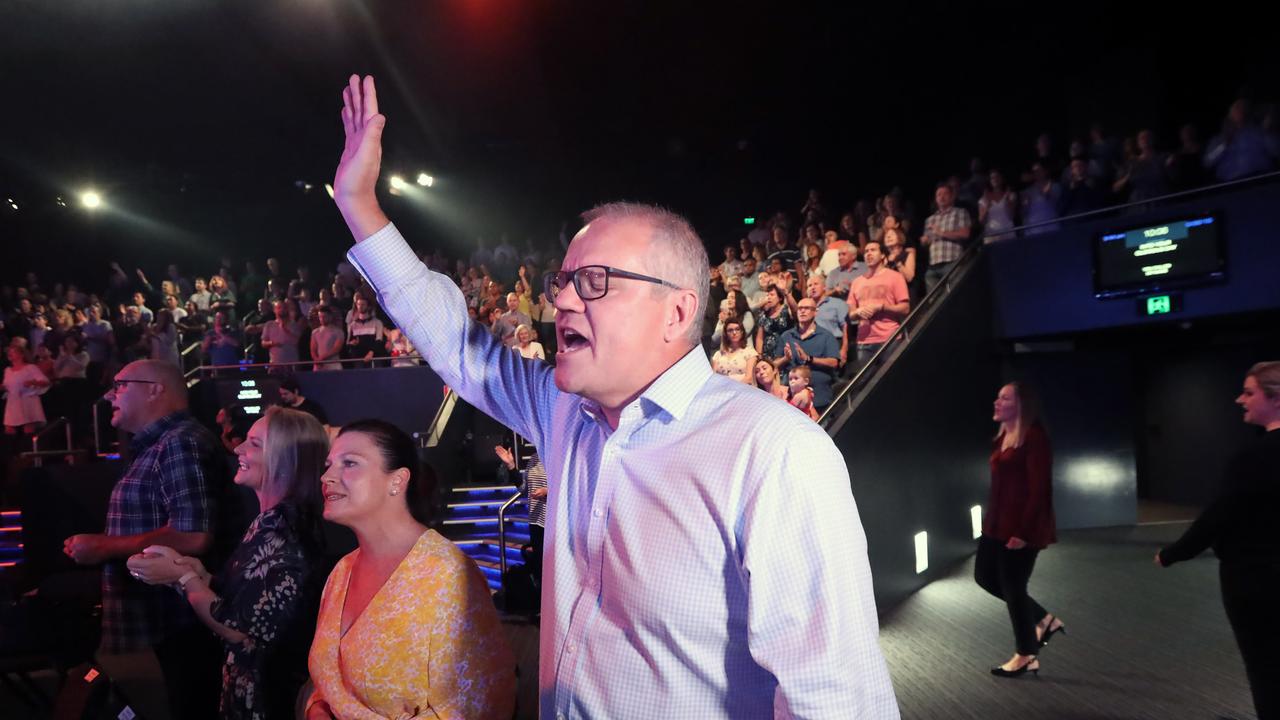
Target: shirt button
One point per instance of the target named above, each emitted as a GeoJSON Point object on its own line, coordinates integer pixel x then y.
{"type": "Point", "coordinates": [597, 512]}
{"type": "Point", "coordinates": [591, 583]}
{"type": "Point", "coordinates": [571, 647]}
{"type": "Point", "coordinates": [559, 716]}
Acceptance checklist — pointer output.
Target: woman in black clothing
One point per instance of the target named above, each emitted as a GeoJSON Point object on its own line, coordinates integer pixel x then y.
{"type": "Point", "coordinates": [263, 604]}
{"type": "Point", "coordinates": [1240, 526]}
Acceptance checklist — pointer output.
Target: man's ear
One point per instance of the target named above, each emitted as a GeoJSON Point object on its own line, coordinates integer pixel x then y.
{"type": "Point", "coordinates": [682, 311]}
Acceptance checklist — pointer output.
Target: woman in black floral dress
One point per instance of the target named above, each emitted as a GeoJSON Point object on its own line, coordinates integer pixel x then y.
{"type": "Point", "coordinates": [775, 319]}
{"type": "Point", "coordinates": [263, 603]}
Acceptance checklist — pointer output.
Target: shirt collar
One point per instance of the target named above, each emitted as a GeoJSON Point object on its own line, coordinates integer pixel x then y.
{"type": "Point", "coordinates": [674, 389]}
{"type": "Point", "coordinates": [151, 433]}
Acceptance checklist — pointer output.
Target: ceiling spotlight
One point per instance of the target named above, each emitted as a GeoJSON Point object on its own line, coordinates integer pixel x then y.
{"type": "Point", "coordinates": [60, 201]}
{"type": "Point", "coordinates": [13, 205]}
{"type": "Point", "coordinates": [398, 183]}
{"type": "Point", "coordinates": [329, 189]}
{"type": "Point", "coordinates": [426, 180]}
{"type": "Point", "coordinates": [91, 199]}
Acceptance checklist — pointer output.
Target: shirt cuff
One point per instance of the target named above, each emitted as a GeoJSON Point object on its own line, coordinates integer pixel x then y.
{"type": "Point", "coordinates": [382, 256]}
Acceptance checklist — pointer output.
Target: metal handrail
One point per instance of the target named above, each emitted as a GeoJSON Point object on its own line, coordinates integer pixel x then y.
{"type": "Point", "coordinates": [35, 440]}
{"type": "Point", "coordinates": [299, 363]}
{"type": "Point", "coordinates": [502, 529]}
{"type": "Point", "coordinates": [924, 309]}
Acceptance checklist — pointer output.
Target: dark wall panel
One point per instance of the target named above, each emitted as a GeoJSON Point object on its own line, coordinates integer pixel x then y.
{"type": "Point", "coordinates": [917, 447]}
{"type": "Point", "coordinates": [1043, 285]}
{"type": "Point", "coordinates": [1089, 407]}
{"type": "Point", "coordinates": [1191, 424]}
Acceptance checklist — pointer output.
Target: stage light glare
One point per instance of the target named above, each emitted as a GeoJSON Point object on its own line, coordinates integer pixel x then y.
{"type": "Point", "coordinates": [91, 199]}
{"type": "Point", "coordinates": [426, 180]}
{"type": "Point", "coordinates": [329, 190]}
{"type": "Point", "coordinates": [398, 183]}
{"type": "Point", "coordinates": [975, 519]}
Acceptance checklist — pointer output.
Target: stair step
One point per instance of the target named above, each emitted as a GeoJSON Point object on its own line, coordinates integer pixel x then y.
{"type": "Point", "coordinates": [496, 502]}
{"type": "Point", "coordinates": [515, 538]}
{"type": "Point", "coordinates": [508, 489]}
{"type": "Point", "coordinates": [485, 519]}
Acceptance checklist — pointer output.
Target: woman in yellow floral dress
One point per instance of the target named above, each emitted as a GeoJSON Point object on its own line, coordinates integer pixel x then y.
{"type": "Point", "coordinates": [407, 628]}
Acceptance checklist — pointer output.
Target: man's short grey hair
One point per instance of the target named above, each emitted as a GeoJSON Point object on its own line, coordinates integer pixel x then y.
{"type": "Point", "coordinates": [678, 255]}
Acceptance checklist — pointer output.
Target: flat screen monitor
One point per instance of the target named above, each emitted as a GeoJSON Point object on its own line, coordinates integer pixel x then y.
{"type": "Point", "coordinates": [1152, 258]}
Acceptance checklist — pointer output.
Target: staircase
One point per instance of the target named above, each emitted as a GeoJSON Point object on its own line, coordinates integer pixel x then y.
{"type": "Point", "coordinates": [10, 538]}
{"type": "Point", "coordinates": [471, 522]}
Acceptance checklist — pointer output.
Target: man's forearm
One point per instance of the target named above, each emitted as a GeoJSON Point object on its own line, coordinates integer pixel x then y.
{"type": "Point", "coordinates": [364, 216]}
{"type": "Point", "coordinates": [194, 544]}
{"type": "Point", "coordinates": [825, 362]}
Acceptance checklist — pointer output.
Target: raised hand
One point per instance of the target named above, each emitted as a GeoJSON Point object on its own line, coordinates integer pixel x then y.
{"type": "Point", "coordinates": [356, 180]}
{"type": "Point", "coordinates": [505, 456]}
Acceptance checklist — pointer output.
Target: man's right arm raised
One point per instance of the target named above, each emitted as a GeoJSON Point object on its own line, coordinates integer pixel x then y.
{"type": "Point", "coordinates": [427, 306]}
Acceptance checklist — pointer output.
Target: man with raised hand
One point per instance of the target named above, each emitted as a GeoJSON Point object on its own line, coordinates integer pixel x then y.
{"type": "Point", "coordinates": [688, 574]}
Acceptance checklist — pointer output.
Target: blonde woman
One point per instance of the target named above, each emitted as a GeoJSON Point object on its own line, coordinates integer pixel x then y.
{"type": "Point", "coordinates": [262, 605]}
{"type": "Point", "coordinates": [767, 380]}
{"type": "Point", "coordinates": [1240, 527]}
{"type": "Point", "coordinates": [24, 383]}
{"type": "Point", "coordinates": [526, 345]}
{"type": "Point", "coordinates": [1018, 523]}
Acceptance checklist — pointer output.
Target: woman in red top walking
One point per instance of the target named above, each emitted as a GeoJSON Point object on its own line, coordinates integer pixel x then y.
{"type": "Point", "coordinates": [1018, 523]}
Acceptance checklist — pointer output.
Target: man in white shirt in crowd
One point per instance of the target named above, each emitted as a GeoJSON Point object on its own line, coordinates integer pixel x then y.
{"type": "Point", "coordinates": [201, 296]}
{"type": "Point", "coordinates": [688, 574]}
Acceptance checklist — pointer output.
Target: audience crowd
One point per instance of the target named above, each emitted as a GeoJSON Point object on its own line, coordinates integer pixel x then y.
{"type": "Point", "coordinates": [797, 306]}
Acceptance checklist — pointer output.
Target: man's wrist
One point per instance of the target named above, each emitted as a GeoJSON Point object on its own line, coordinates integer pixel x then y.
{"type": "Point", "coordinates": [363, 215]}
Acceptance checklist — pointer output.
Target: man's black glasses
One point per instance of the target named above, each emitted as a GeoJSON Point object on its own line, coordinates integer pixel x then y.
{"type": "Point", "coordinates": [118, 385]}
{"type": "Point", "coordinates": [592, 281]}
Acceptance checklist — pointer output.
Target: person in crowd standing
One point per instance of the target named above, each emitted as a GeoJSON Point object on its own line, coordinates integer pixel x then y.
{"type": "Point", "coordinates": [1240, 527]}
{"type": "Point", "coordinates": [1018, 524]}
{"type": "Point", "coordinates": [166, 496]}
{"type": "Point", "coordinates": [631, 399]}
{"type": "Point", "coordinates": [263, 603]}
{"type": "Point", "coordinates": [407, 602]}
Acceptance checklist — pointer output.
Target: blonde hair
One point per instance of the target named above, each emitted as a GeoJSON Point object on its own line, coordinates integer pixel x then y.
{"type": "Point", "coordinates": [1267, 375]}
{"type": "Point", "coordinates": [295, 452]}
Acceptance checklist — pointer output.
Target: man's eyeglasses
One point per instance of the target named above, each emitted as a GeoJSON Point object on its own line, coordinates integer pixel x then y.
{"type": "Point", "coordinates": [592, 281]}
{"type": "Point", "coordinates": [118, 385]}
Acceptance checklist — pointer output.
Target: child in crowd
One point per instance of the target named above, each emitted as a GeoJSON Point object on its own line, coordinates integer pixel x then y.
{"type": "Point", "coordinates": [801, 394]}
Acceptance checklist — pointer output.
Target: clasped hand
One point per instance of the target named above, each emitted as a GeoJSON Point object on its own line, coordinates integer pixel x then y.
{"type": "Point", "coordinates": [161, 565]}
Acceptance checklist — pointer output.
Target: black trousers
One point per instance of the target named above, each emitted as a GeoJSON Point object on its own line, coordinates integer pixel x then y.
{"type": "Point", "coordinates": [191, 661]}
{"type": "Point", "coordinates": [1249, 597]}
{"type": "Point", "coordinates": [1004, 573]}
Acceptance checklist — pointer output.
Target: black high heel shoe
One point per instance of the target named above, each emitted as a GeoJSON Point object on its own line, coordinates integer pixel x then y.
{"type": "Point", "coordinates": [1062, 628]}
{"type": "Point", "coordinates": [999, 670]}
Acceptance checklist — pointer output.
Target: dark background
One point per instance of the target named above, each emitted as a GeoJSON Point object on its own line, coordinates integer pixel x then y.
{"type": "Point", "coordinates": [196, 119]}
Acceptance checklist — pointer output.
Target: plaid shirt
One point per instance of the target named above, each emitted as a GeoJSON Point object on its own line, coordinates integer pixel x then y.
{"type": "Point", "coordinates": [169, 483]}
{"type": "Point", "coordinates": [953, 218]}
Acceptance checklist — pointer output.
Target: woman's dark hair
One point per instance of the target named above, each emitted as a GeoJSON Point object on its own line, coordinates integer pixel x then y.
{"type": "Point", "coordinates": [399, 451]}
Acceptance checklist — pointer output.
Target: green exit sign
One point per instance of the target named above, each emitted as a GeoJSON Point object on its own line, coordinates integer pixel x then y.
{"type": "Point", "coordinates": [1156, 305]}
{"type": "Point", "coordinates": [1159, 305]}
{"type": "Point", "coordinates": [748, 221]}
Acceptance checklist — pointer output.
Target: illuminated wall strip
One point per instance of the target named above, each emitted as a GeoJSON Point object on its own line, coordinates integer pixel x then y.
{"type": "Point", "coordinates": [975, 518]}
{"type": "Point", "coordinates": [922, 551]}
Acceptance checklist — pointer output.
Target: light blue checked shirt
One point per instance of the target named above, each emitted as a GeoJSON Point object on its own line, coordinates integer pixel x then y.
{"type": "Point", "coordinates": [705, 559]}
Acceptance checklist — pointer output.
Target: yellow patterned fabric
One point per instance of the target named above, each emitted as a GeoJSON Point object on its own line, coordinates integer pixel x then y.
{"type": "Point", "coordinates": [429, 644]}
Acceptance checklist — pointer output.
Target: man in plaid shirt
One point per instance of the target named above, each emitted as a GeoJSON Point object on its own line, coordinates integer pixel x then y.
{"type": "Point", "coordinates": [164, 497]}
{"type": "Point", "coordinates": [946, 233]}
